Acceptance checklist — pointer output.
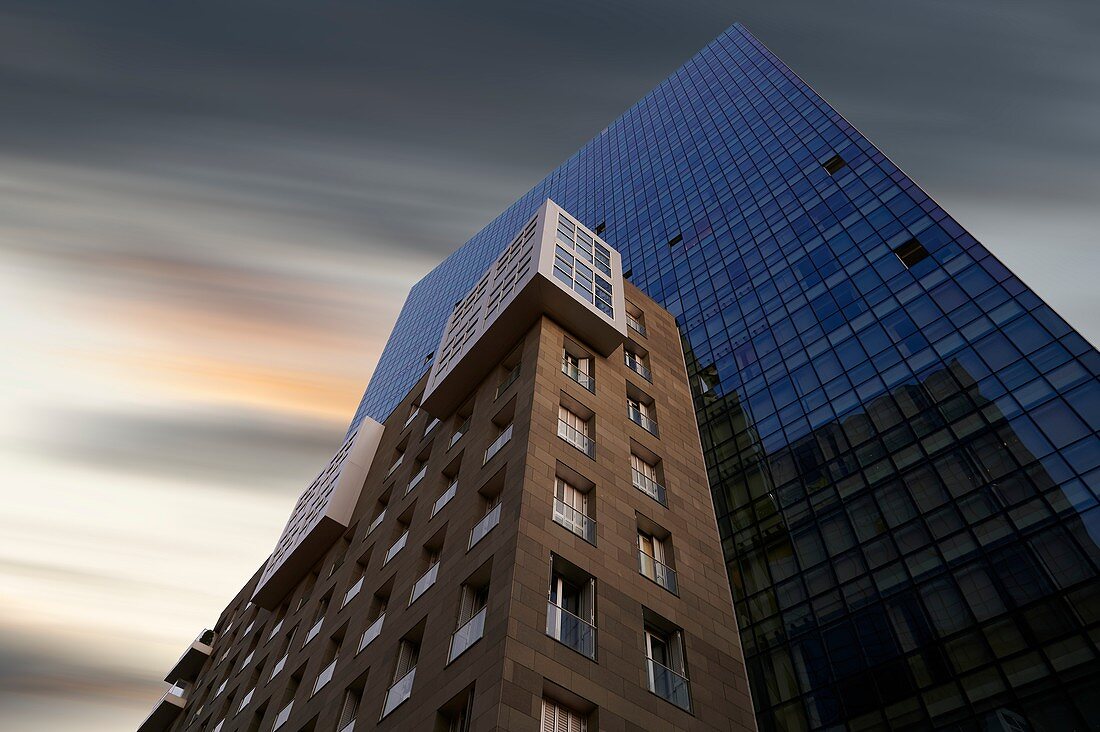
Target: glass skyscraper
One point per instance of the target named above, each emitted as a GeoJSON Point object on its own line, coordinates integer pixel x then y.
{"type": "Point", "coordinates": [901, 437]}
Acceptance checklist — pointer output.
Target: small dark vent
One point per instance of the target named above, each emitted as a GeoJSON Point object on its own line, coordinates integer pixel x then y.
{"type": "Point", "coordinates": [834, 164]}
{"type": "Point", "coordinates": [600, 227]}
{"type": "Point", "coordinates": [911, 252]}
{"type": "Point", "coordinates": [675, 240]}
{"type": "Point", "coordinates": [626, 274]}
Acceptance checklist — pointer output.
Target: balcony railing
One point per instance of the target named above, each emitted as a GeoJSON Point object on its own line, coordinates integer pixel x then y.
{"type": "Point", "coordinates": [431, 425]}
{"type": "Point", "coordinates": [395, 547]}
{"type": "Point", "coordinates": [567, 628]}
{"type": "Point", "coordinates": [444, 498]}
{"type": "Point", "coordinates": [416, 479]}
{"type": "Point", "coordinates": [576, 438]}
{"type": "Point", "coordinates": [426, 580]}
{"type": "Point", "coordinates": [395, 466]}
{"type": "Point", "coordinates": [372, 632]}
{"type": "Point", "coordinates": [324, 677]}
{"type": "Point", "coordinates": [498, 443]}
{"type": "Point", "coordinates": [314, 630]}
{"type": "Point", "coordinates": [246, 699]}
{"type": "Point", "coordinates": [574, 520]}
{"type": "Point", "coordinates": [459, 432]}
{"type": "Point", "coordinates": [484, 526]}
{"type": "Point", "coordinates": [399, 692]}
{"type": "Point", "coordinates": [669, 685]}
{"type": "Point", "coordinates": [276, 629]}
{"type": "Point", "coordinates": [508, 381]}
{"type": "Point", "coordinates": [377, 520]}
{"type": "Point", "coordinates": [352, 591]}
{"type": "Point", "coordinates": [415, 413]}
{"type": "Point", "coordinates": [467, 635]}
{"type": "Point", "coordinates": [645, 422]}
{"type": "Point", "coordinates": [650, 487]}
{"type": "Point", "coordinates": [635, 325]}
{"type": "Point", "coordinates": [278, 666]}
{"type": "Point", "coordinates": [574, 373]}
{"type": "Point", "coordinates": [660, 573]}
{"type": "Point", "coordinates": [284, 715]}
{"type": "Point", "coordinates": [635, 364]}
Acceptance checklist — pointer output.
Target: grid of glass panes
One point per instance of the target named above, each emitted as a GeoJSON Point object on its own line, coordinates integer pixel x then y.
{"type": "Point", "coordinates": [849, 395]}
{"type": "Point", "coordinates": [572, 245]}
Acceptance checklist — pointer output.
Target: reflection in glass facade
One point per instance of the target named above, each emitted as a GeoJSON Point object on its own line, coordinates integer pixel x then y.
{"type": "Point", "coordinates": [901, 436]}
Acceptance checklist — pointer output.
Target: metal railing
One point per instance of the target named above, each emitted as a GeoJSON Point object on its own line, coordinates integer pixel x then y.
{"type": "Point", "coordinates": [646, 423]}
{"type": "Point", "coordinates": [635, 364]}
{"type": "Point", "coordinates": [396, 465]}
{"type": "Point", "coordinates": [284, 715]}
{"type": "Point", "coordinates": [576, 438]}
{"type": "Point", "coordinates": [444, 498]}
{"type": "Point", "coordinates": [431, 425]}
{"type": "Point", "coordinates": [399, 692]}
{"type": "Point", "coordinates": [498, 443]}
{"type": "Point", "coordinates": [574, 520]}
{"type": "Point", "coordinates": [246, 699]}
{"type": "Point", "coordinates": [635, 325]}
{"type": "Point", "coordinates": [313, 631]}
{"type": "Point", "coordinates": [414, 415]}
{"type": "Point", "coordinates": [659, 572]}
{"type": "Point", "coordinates": [324, 677]}
{"type": "Point", "coordinates": [650, 487]}
{"type": "Point", "coordinates": [484, 526]}
{"type": "Point", "coordinates": [395, 547]}
{"type": "Point", "coordinates": [669, 685]}
{"type": "Point", "coordinates": [574, 373]}
{"type": "Point", "coordinates": [508, 381]}
{"type": "Point", "coordinates": [371, 632]}
{"type": "Point", "coordinates": [352, 591]}
{"type": "Point", "coordinates": [467, 635]}
{"type": "Point", "coordinates": [458, 433]}
{"type": "Point", "coordinates": [426, 580]}
{"type": "Point", "coordinates": [415, 481]}
{"type": "Point", "coordinates": [278, 666]}
{"type": "Point", "coordinates": [565, 627]}
{"type": "Point", "coordinates": [377, 520]}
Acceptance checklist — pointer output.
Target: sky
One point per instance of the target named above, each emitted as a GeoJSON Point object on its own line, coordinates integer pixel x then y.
{"type": "Point", "coordinates": [210, 214]}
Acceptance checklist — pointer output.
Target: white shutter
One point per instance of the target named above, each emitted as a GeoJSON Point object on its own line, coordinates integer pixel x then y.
{"type": "Point", "coordinates": [556, 718]}
{"type": "Point", "coordinates": [466, 606]}
{"type": "Point", "coordinates": [347, 712]}
{"type": "Point", "coordinates": [406, 659]}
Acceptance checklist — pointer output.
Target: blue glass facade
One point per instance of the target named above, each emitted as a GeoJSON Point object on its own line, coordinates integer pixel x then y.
{"type": "Point", "coordinates": [901, 436]}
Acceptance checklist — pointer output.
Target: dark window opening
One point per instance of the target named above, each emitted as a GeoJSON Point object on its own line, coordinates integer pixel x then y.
{"type": "Point", "coordinates": [675, 240]}
{"type": "Point", "coordinates": [429, 357]}
{"type": "Point", "coordinates": [834, 164]}
{"type": "Point", "coordinates": [911, 252]}
{"type": "Point", "coordinates": [627, 273]}
{"type": "Point", "coordinates": [600, 227]}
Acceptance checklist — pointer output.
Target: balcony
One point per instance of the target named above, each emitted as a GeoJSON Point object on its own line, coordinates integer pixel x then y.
{"type": "Point", "coordinates": [192, 659]}
{"type": "Point", "coordinates": [324, 677]}
{"type": "Point", "coordinates": [399, 692]}
{"type": "Point", "coordinates": [276, 629]}
{"type": "Point", "coordinates": [444, 498]}
{"type": "Point", "coordinates": [565, 627]}
{"type": "Point", "coordinates": [395, 466]}
{"type": "Point", "coordinates": [650, 487]}
{"type": "Point", "coordinates": [635, 364]}
{"type": "Point", "coordinates": [416, 479]}
{"type": "Point", "coordinates": [575, 521]}
{"type": "Point", "coordinates": [431, 425]}
{"type": "Point", "coordinates": [660, 573]}
{"type": "Point", "coordinates": [574, 373]}
{"type": "Point", "coordinates": [642, 420]}
{"type": "Point", "coordinates": [371, 633]}
{"type": "Point", "coordinates": [498, 443]}
{"type": "Point", "coordinates": [246, 699]}
{"type": "Point", "coordinates": [284, 715]}
{"type": "Point", "coordinates": [459, 432]}
{"type": "Point", "coordinates": [352, 591]}
{"type": "Point", "coordinates": [467, 635]}
{"type": "Point", "coordinates": [426, 581]}
{"type": "Point", "coordinates": [395, 547]}
{"type": "Point", "coordinates": [635, 325]}
{"type": "Point", "coordinates": [669, 685]}
{"type": "Point", "coordinates": [508, 381]}
{"type": "Point", "coordinates": [576, 438]}
{"type": "Point", "coordinates": [278, 666]}
{"type": "Point", "coordinates": [167, 709]}
{"type": "Point", "coordinates": [415, 413]}
{"type": "Point", "coordinates": [377, 520]}
{"type": "Point", "coordinates": [484, 526]}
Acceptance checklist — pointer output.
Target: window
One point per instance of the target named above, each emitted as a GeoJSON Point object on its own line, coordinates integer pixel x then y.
{"type": "Point", "coordinates": [911, 252]}
{"type": "Point", "coordinates": [558, 718]}
{"type": "Point", "coordinates": [637, 360]}
{"type": "Point", "coordinates": [358, 578]}
{"type": "Point", "coordinates": [404, 671]}
{"type": "Point", "coordinates": [445, 497]}
{"type": "Point", "coordinates": [402, 531]}
{"type": "Point", "coordinates": [462, 425]}
{"type": "Point", "coordinates": [414, 412]}
{"type": "Point", "coordinates": [675, 240]}
{"type": "Point", "coordinates": [570, 614]}
{"type": "Point", "coordinates": [834, 165]}
{"type": "Point", "coordinates": [665, 668]}
{"type": "Point", "coordinates": [635, 320]}
{"type": "Point", "coordinates": [349, 708]}
{"type": "Point", "coordinates": [331, 656]}
{"type": "Point", "coordinates": [641, 411]}
{"type": "Point", "coordinates": [318, 619]}
{"type": "Point", "coordinates": [457, 714]}
{"type": "Point", "coordinates": [426, 580]}
{"type": "Point", "coordinates": [655, 556]}
{"type": "Point", "coordinates": [378, 613]}
{"type": "Point", "coordinates": [582, 264]}
{"type": "Point", "coordinates": [572, 507]}
{"type": "Point", "coordinates": [471, 614]}
{"type": "Point", "coordinates": [487, 522]}
{"type": "Point", "coordinates": [646, 477]}
{"type": "Point", "coordinates": [501, 440]}
{"type": "Point", "coordinates": [575, 429]}
{"type": "Point", "coordinates": [577, 365]}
